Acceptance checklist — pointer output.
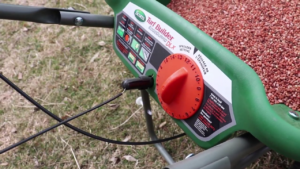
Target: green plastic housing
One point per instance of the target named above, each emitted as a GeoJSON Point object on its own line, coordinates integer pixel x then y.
{"type": "Point", "coordinates": [272, 125]}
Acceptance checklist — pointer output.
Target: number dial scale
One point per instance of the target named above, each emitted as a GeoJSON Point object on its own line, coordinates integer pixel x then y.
{"type": "Point", "coordinates": [180, 86]}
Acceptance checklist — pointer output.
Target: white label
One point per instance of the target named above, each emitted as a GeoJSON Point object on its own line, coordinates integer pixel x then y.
{"type": "Point", "coordinates": [178, 44]}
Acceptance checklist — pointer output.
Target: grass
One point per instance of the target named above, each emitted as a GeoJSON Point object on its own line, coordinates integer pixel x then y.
{"type": "Point", "coordinates": [66, 70]}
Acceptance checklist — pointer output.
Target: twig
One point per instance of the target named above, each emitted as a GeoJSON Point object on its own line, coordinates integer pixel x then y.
{"type": "Point", "coordinates": [2, 124]}
{"type": "Point", "coordinates": [75, 158]}
{"type": "Point", "coordinates": [46, 101]}
{"type": "Point", "coordinates": [72, 153]}
{"type": "Point", "coordinates": [127, 119]}
{"type": "Point", "coordinates": [50, 104]}
{"type": "Point", "coordinates": [80, 5]}
{"type": "Point", "coordinates": [48, 93]}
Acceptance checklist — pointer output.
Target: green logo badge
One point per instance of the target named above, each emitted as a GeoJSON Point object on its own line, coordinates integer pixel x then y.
{"type": "Point", "coordinates": [140, 15]}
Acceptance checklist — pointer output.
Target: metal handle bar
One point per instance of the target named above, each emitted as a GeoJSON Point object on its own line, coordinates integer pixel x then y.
{"type": "Point", "coordinates": [54, 16]}
{"type": "Point", "coordinates": [236, 153]}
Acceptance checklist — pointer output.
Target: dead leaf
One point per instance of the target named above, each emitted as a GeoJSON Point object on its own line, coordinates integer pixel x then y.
{"type": "Point", "coordinates": [14, 130]}
{"type": "Point", "coordinates": [65, 117]}
{"type": "Point", "coordinates": [114, 106]}
{"type": "Point", "coordinates": [111, 13]}
{"type": "Point", "coordinates": [160, 116]}
{"type": "Point", "coordinates": [36, 162]}
{"type": "Point", "coordinates": [162, 124]}
{"type": "Point", "coordinates": [66, 99]}
{"type": "Point", "coordinates": [35, 109]}
{"type": "Point", "coordinates": [83, 37]}
{"type": "Point", "coordinates": [129, 158]}
{"type": "Point", "coordinates": [95, 57]}
{"type": "Point", "coordinates": [127, 138]}
{"type": "Point", "coordinates": [71, 8]}
{"type": "Point", "coordinates": [117, 153]}
{"type": "Point", "coordinates": [4, 164]}
{"type": "Point", "coordinates": [24, 29]}
{"type": "Point", "coordinates": [20, 76]}
{"type": "Point", "coordinates": [5, 95]}
{"type": "Point", "coordinates": [101, 43]}
{"type": "Point", "coordinates": [115, 160]}
{"type": "Point", "coordinates": [75, 88]}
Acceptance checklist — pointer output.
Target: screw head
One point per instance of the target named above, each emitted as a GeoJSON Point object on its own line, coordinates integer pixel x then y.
{"type": "Point", "coordinates": [294, 114]}
{"type": "Point", "coordinates": [78, 21]}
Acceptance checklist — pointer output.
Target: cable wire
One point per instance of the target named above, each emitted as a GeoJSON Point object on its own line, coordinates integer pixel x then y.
{"type": "Point", "coordinates": [58, 124]}
{"type": "Point", "coordinates": [15, 87]}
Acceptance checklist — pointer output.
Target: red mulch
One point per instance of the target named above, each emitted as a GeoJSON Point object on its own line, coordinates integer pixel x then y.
{"type": "Point", "coordinates": [264, 34]}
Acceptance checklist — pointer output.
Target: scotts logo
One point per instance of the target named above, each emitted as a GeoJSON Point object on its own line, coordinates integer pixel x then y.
{"type": "Point", "coordinates": [140, 15]}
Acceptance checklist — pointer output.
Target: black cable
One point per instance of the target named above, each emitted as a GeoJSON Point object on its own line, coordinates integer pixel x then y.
{"type": "Point", "coordinates": [77, 129]}
{"type": "Point", "coordinates": [58, 124]}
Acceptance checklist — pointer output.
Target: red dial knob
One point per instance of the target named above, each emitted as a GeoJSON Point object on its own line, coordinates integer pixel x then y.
{"type": "Point", "coordinates": [179, 85]}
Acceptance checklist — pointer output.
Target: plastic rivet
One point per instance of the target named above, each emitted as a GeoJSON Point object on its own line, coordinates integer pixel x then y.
{"type": "Point", "coordinates": [294, 115]}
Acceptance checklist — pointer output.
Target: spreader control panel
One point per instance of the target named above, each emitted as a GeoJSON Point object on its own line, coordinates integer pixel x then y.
{"type": "Point", "coordinates": [208, 91]}
{"type": "Point", "coordinates": [189, 87]}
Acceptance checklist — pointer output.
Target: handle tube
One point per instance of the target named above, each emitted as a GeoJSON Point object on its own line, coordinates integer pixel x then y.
{"type": "Point", "coordinates": [29, 13]}
{"type": "Point", "coordinates": [53, 16]}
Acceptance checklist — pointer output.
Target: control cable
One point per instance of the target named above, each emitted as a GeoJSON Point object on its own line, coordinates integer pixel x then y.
{"type": "Point", "coordinates": [145, 82]}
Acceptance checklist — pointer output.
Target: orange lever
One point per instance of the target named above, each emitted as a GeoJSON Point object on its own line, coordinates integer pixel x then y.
{"type": "Point", "coordinates": [172, 86]}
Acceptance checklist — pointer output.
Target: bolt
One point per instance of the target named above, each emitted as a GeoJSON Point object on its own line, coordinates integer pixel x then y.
{"type": "Point", "coordinates": [78, 21]}
{"type": "Point", "coordinates": [294, 114]}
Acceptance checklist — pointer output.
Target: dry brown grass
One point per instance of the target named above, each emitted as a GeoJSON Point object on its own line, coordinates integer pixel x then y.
{"type": "Point", "coordinates": [65, 69]}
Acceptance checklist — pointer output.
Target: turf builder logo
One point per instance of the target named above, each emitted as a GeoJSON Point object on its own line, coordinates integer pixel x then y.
{"type": "Point", "coordinates": [140, 15]}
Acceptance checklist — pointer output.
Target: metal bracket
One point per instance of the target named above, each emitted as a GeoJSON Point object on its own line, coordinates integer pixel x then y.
{"type": "Point", "coordinates": [150, 127]}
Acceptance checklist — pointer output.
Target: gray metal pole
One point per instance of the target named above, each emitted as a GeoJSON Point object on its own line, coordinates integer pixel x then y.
{"type": "Point", "coordinates": [150, 127]}
{"type": "Point", "coordinates": [251, 158]}
{"type": "Point", "coordinates": [232, 154]}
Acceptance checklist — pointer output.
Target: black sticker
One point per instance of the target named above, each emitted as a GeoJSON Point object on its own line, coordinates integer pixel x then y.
{"type": "Point", "coordinates": [213, 114]}
{"type": "Point", "coordinates": [122, 20]}
{"type": "Point", "coordinates": [158, 55]}
{"type": "Point", "coordinates": [139, 34]}
{"type": "Point", "coordinates": [149, 42]}
{"type": "Point", "coordinates": [131, 26]}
